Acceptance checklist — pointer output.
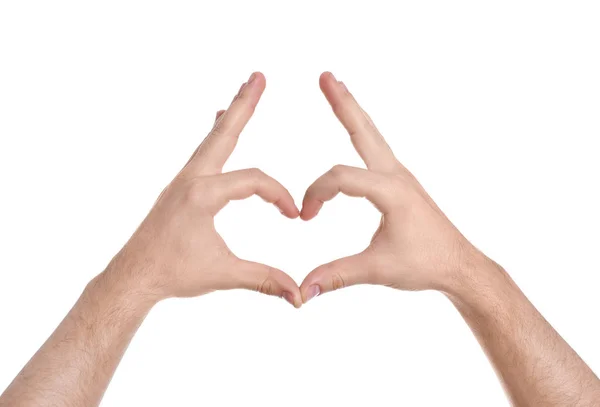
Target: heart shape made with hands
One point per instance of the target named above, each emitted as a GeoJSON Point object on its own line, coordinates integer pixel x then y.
{"type": "Point", "coordinates": [181, 254]}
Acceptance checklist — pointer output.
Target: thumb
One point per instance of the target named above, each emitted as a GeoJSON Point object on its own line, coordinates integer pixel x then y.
{"type": "Point", "coordinates": [267, 280]}
{"type": "Point", "coordinates": [338, 274]}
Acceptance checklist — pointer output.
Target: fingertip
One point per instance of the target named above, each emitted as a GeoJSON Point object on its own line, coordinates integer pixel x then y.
{"type": "Point", "coordinates": [310, 289]}
{"type": "Point", "coordinates": [254, 89]}
{"type": "Point", "coordinates": [290, 290]}
{"type": "Point", "coordinates": [297, 301]}
{"type": "Point", "coordinates": [291, 214]}
{"type": "Point", "coordinates": [310, 210]}
{"type": "Point", "coordinates": [331, 88]}
{"type": "Point", "coordinates": [290, 298]}
{"type": "Point", "coordinates": [257, 79]}
{"type": "Point", "coordinates": [297, 296]}
{"type": "Point", "coordinates": [296, 212]}
{"type": "Point", "coordinates": [259, 75]}
{"type": "Point", "coordinates": [326, 76]}
{"type": "Point", "coordinates": [305, 216]}
{"type": "Point", "coordinates": [289, 210]}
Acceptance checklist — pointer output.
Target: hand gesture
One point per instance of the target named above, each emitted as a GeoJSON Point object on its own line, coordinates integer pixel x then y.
{"type": "Point", "coordinates": [176, 251]}
{"type": "Point", "coordinates": [415, 247]}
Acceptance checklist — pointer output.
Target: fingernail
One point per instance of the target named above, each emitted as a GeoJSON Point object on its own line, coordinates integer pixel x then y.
{"type": "Point", "coordinates": [343, 85]}
{"type": "Point", "coordinates": [288, 297]}
{"type": "Point", "coordinates": [312, 292]}
{"type": "Point", "coordinates": [252, 77]}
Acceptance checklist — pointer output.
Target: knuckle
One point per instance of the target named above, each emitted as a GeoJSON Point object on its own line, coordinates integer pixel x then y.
{"type": "Point", "coordinates": [392, 196]}
{"type": "Point", "coordinates": [401, 191]}
{"type": "Point", "coordinates": [386, 188]}
{"type": "Point", "coordinates": [337, 281]}
{"type": "Point", "coordinates": [338, 170]}
{"type": "Point", "coordinates": [266, 287]}
{"type": "Point", "coordinates": [255, 172]}
{"type": "Point", "coordinates": [195, 193]}
{"type": "Point", "coordinates": [395, 185]}
{"type": "Point", "coordinates": [255, 175]}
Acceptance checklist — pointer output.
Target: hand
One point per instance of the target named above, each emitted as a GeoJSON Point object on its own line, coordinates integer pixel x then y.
{"type": "Point", "coordinates": [415, 247]}
{"type": "Point", "coordinates": [176, 251]}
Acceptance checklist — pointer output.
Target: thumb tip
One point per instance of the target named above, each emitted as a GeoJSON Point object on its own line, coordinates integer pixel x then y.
{"type": "Point", "coordinates": [292, 299]}
{"type": "Point", "coordinates": [314, 290]}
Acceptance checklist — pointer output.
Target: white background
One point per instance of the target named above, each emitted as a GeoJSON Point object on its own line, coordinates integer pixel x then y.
{"type": "Point", "coordinates": [495, 106]}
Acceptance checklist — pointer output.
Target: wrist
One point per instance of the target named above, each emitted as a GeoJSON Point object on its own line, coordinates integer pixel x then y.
{"type": "Point", "coordinates": [112, 286]}
{"type": "Point", "coordinates": [477, 276]}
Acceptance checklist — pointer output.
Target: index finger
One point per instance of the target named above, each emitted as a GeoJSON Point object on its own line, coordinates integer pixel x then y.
{"type": "Point", "coordinates": [368, 142]}
{"type": "Point", "coordinates": [350, 181]}
{"type": "Point", "coordinates": [220, 142]}
{"type": "Point", "coordinates": [243, 184]}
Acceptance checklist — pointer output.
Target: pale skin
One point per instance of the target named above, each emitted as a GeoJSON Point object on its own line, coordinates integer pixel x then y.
{"type": "Point", "coordinates": [176, 252]}
{"type": "Point", "coordinates": [416, 247]}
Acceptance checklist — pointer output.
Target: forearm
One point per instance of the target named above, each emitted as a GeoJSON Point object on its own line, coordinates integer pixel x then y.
{"type": "Point", "coordinates": [75, 365]}
{"type": "Point", "coordinates": [536, 366]}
